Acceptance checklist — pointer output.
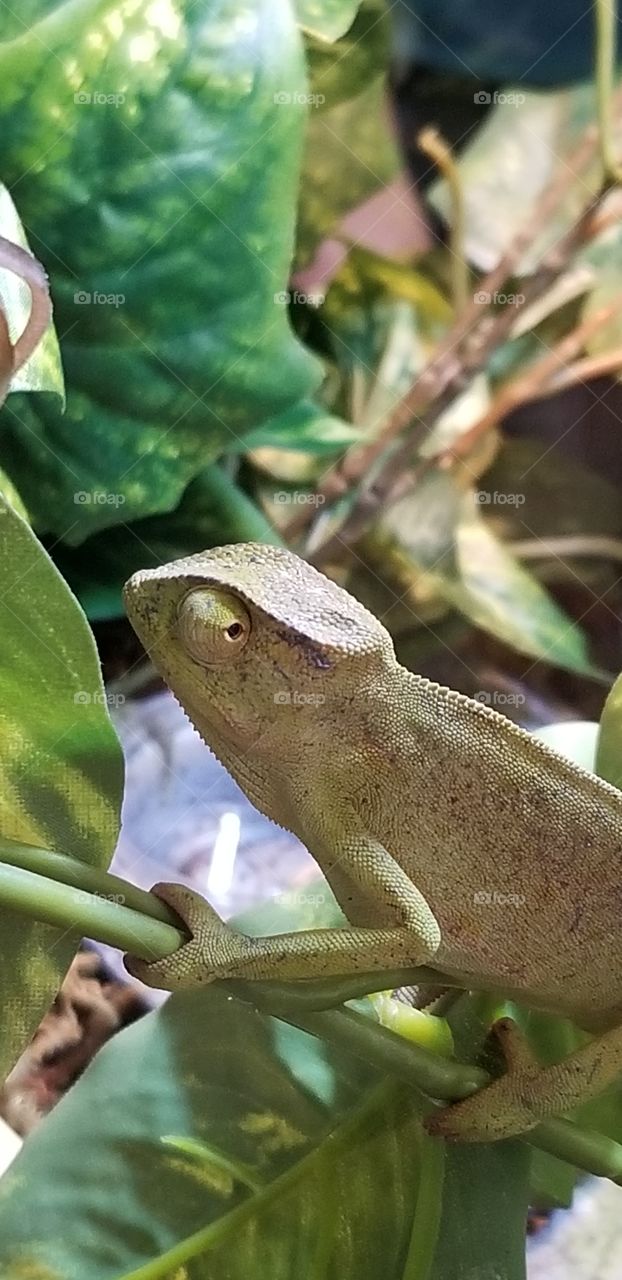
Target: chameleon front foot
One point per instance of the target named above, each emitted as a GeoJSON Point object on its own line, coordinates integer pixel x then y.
{"type": "Point", "coordinates": [504, 1108]}
{"type": "Point", "coordinates": [213, 951]}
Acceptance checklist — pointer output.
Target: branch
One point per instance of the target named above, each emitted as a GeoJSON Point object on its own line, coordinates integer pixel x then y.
{"type": "Point", "coordinates": [470, 341]}
{"type": "Point", "coordinates": [544, 378]}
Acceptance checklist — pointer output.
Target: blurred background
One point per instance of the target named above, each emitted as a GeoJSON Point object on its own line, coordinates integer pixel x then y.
{"type": "Point", "coordinates": [443, 440]}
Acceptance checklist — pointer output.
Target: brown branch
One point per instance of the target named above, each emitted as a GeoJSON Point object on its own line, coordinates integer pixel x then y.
{"type": "Point", "coordinates": [544, 378]}
{"type": "Point", "coordinates": [469, 342]}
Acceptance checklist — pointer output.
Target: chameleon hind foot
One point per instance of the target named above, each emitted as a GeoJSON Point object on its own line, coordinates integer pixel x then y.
{"type": "Point", "coordinates": [528, 1092]}
{"type": "Point", "coordinates": [501, 1108]}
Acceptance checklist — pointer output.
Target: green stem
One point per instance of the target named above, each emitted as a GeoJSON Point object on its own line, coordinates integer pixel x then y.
{"type": "Point", "coordinates": [584, 1148]}
{"type": "Point", "coordinates": [66, 870]}
{"type": "Point", "coordinates": [84, 914]}
{"type": "Point", "coordinates": [357, 1034]}
{"type": "Point", "coordinates": [606, 27]}
{"type": "Point", "coordinates": [205, 1154]}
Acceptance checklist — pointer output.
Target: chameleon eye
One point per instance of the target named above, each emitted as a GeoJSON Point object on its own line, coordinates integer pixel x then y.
{"type": "Point", "coordinates": [212, 625]}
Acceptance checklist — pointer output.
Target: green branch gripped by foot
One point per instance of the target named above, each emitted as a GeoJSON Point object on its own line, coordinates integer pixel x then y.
{"type": "Point", "coordinates": [96, 904]}
{"type": "Point", "coordinates": [61, 891]}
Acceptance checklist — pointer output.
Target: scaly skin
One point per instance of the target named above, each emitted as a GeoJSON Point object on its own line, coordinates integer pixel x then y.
{"type": "Point", "coordinates": [445, 831]}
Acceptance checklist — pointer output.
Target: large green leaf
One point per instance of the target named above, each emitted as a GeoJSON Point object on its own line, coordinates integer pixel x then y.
{"type": "Point", "coordinates": [61, 774]}
{"type": "Point", "coordinates": [157, 151]}
{"type": "Point", "coordinates": [274, 1192]}
{"type": "Point", "coordinates": [213, 510]}
{"type": "Point", "coordinates": [228, 1143]}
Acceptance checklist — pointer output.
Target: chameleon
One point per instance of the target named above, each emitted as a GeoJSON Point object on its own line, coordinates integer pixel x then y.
{"type": "Point", "coordinates": [446, 832]}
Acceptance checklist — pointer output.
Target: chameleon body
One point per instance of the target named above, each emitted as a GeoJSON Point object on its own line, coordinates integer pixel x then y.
{"type": "Point", "coordinates": [447, 834]}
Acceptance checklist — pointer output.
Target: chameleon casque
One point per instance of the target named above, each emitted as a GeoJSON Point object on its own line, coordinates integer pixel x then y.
{"type": "Point", "coordinates": [447, 834]}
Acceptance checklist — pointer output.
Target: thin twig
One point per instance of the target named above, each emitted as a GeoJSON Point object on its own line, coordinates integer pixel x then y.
{"type": "Point", "coordinates": [431, 142]}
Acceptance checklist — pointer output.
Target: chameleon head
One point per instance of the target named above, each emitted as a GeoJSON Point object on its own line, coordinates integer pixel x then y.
{"type": "Point", "coordinates": [243, 633]}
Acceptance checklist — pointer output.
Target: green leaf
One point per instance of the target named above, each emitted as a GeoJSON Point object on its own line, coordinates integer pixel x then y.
{"type": "Point", "coordinates": [486, 1184]}
{"type": "Point", "coordinates": [349, 154]}
{"type": "Point", "coordinates": [511, 160]}
{"type": "Point", "coordinates": [339, 70]}
{"type": "Point", "coordinates": [210, 1069]}
{"type": "Point", "coordinates": [218, 1129]}
{"type": "Point", "coordinates": [10, 494]}
{"type": "Point", "coordinates": [42, 372]}
{"type": "Point", "coordinates": [213, 511]}
{"type": "Point", "coordinates": [157, 151]}
{"type": "Point", "coordinates": [505, 599]}
{"type": "Point", "coordinates": [455, 552]}
{"type": "Point", "coordinates": [299, 430]}
{"type": "Point", "coordinates": [61, 775]}
{"type": "Point", "coordinates": [609, 745]}
{"type": "Point", "coordinates": [327, 19]}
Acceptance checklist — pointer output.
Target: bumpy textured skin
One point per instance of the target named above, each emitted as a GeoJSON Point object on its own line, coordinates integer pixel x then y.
{"type": "Point", "coordinates": [445, 831]}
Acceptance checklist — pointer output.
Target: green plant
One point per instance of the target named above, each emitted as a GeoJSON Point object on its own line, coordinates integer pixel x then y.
{"type": "Point", "coordinates": [221, 1134]}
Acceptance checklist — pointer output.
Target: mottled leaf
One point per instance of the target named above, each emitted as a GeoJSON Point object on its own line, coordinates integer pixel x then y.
{"type": "Point", "coordinates": [156, 150]}
{"type": "Point", "coordinates": [61, 774]}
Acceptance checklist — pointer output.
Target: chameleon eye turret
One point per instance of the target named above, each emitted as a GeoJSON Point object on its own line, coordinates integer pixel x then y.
{"type": "Point", "coordinates": [212, 625]}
